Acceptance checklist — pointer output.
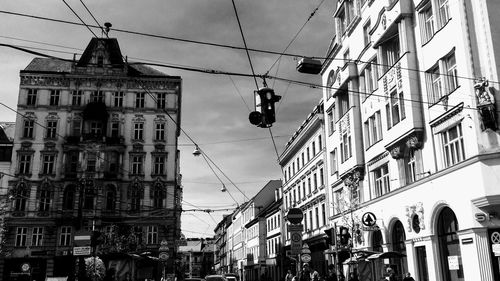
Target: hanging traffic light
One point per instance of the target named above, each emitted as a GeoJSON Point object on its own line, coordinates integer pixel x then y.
{"type": "Point", "coordinates": [264, 115]}
{"type": "Point", "coordinates": [345, 236]}
{"type": "Point", "coordinates": [331, 236]}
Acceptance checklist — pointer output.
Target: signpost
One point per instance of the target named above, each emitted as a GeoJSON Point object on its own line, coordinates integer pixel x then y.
{"type": "Point", "coordinates": [163, 255]}
{"type": "Point", "coordinates": [294, 215]}
{"type": "Point", "coordinates": [81, 251]}
{"type": "Point", "coordinates": [369, 219]}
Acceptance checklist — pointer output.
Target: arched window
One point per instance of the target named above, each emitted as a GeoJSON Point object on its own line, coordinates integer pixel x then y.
{"type": "Point", "coordinates": [449, 246]}
{"type": "Point", "coordinates": [88, 198]}
{"type": "Point", "coordinates": [21, 198]}
{"type": "Point", "coordinates": [69, 197]}
{"type": "Point", "coordinates": [398, 245]}
{"type": "Point", "coordinates": [158, 196]}
{"type": "Point", "coordinates": [135, 199]}
{"type": "Point", "coordinates": [110, 198]}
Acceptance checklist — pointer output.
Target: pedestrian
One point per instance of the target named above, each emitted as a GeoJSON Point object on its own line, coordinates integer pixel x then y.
{"type": "Point", "coordinates": [289, 276]}
{"type": "Point", "coordinates": [408, 277]}
{"type": "Point", "coordinates": [314, 275]}
{"type": "Point", "coordinates": [331, 273]}
{"type": "Point", "coordinates": [305, 275]}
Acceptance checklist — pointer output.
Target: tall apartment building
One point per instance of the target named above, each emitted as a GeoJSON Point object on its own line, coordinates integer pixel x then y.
{"type": "Point", "coordinates": [304, 167]}
{"type": "Point", "coordinates": [95, 148]}
{"type": "Point", "coordinates": [412, 135]}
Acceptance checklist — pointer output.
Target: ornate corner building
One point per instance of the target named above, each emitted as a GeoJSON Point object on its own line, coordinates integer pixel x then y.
{"type": "Point", "coordinates": [95, 148]}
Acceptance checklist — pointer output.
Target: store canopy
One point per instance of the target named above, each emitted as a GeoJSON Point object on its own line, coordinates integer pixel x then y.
{"type": "Point", "coordinates": [359, 255]}
{"type": "Point", "coordinates": [385, 255]}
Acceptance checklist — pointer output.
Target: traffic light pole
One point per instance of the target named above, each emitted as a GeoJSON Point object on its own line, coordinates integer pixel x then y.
{"type": "Point", "coordinates": [334, 238]}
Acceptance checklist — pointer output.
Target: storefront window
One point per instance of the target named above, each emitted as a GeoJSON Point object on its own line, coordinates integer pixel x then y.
{"type": "Point", "coordinates": [449, 246]}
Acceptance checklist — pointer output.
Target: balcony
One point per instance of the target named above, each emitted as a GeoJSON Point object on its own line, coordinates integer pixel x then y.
{"type": "Point", "coordinates": [388, 18]}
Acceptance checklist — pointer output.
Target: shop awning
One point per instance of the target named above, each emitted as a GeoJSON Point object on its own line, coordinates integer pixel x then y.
{"type": "Point", "coordinates": [359, 255]}
{"type": "Point", "coordinates": [385, 255]}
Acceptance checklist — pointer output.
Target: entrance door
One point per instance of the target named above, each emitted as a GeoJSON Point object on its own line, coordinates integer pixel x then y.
{"type": "Point", "coordinates": [423, 273]}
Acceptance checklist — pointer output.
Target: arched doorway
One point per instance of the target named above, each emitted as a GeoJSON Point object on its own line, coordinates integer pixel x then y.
{"type": "Point", "coordinates": [449, 247]}
{"type": "Point", "coordinates": [398, 238]}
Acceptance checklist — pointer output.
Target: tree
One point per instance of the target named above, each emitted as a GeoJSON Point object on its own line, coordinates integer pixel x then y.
{"type": "Point", "coordinates": [94, 268]}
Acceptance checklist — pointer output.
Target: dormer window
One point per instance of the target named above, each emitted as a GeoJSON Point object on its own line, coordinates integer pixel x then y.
{"type": "Point", "coordinates": [100, 61]}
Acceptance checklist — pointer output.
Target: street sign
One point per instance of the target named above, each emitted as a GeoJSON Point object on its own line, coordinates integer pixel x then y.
{"type": "Point", "coordinates": [294, 215]}
{"type": "Point", "coordinates": [295, 227]}
{"type": "Point", "coordinates": [163, 256]}
{"type": "Point", "coordinates": [305, 257]}
{"type": "Point", "coordinates": [369, 219]}
{"type": "Point", "coordinates": [305, 249]}
{"type": "Point", "coordinates": [296, 242]}
{"type": "Point", "coordinates": [370, 228]}
{"type": "Point", "coordinates": [82, 238]}
{"type": "Point", "coordinates": [81, 251]}
{"type": "Point", "coordinates": [163, 246]}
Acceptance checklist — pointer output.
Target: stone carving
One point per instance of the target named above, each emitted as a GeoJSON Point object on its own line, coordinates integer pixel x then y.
{"type": "Point", "coordinates": [415, 210]}
{"type": "Point", "coordinates": [486, 104]}
{"type": "Point", "coordinates": [397, 152]}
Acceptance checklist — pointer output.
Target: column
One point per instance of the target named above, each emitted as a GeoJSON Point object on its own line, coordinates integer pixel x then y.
{"type": "Point", "coordinates": [476, 258]}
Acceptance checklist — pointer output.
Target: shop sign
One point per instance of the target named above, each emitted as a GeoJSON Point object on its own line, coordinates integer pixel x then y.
{"type": "Point", "coordinates": [495, 248]}
{"type": "Point", "coordinates": [453, 263]}
{"type": "Point", "coordinates": [305, 257]}
{"type": "Point", "coordinates": [81, 251]}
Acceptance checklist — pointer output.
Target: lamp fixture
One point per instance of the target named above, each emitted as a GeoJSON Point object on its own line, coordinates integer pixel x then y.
{"type": "Point", "coordinates": [196, 151]}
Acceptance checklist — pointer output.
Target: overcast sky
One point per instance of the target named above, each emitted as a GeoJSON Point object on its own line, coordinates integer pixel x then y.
{"type": "Point", "coordinates": [214, 110]}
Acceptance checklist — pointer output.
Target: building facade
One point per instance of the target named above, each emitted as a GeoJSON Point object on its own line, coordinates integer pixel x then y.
{"type": "Point", "coordinates": [303, 165]}
{"type": "Point", "coordinates": [95, 149]}
{"type": "Point", "coordinates": [412, 135]}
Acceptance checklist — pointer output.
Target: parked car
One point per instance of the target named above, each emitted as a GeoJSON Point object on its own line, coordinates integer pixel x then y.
{"type": "Point", "coordinates": [231, 276]}
{"type": "Point", "coordinates": [215, 278]}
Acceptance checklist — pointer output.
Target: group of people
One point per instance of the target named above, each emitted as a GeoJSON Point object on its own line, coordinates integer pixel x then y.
{"type": "Point", "coordinates": [309, 274]}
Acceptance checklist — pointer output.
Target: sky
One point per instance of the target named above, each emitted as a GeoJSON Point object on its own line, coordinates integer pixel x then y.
{"type": "Point", "coordinates": [215, 108]}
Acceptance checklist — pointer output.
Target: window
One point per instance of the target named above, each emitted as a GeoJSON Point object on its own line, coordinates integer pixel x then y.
{"type": "Point", "coordinates": [161, 100]}
{"type": "Point", "coordinates": [309, 185]}
{"type": "Point", "coordinates": [320, 143]}
{"type": "Point", "coordinates": [323, 214]}
{"type": "Point", "coordinates": [158, 196]}
{"type": "Point", "coordinates": [311, 220]}
{"type": "Point", "coordinates": [381, 180]}
{"type": "Point", "coordinates": [51, 132]}
{"type": "Point", "coordinates": [316, 213]}
{"type": "Point", "coordinates": [97, 96]}
{"type": "Point", "coordinates": [91, 162]}
{"type": "Point", "coordinates": [444, 12]}
{"type": "Point", "coordinates": [31, 97]}
{"type": "Point", "coordinates": [88, 198]}
{"type": "Point", "coordinates": [54, 97]}
{"type": "Point", "coordinates": [160, 132]}
{"type": "Point", "coordinates": [110, 198]}
{"type": "Point", "coordinates": [96, 128]}
{"type": "Point", "coordinates": [373, 129]}
{"type": "Point", "coordinates": [451, 72]}
{"type": "Point", "coordinates": [331, 122]}
{"type": "Point", "coordinates": [435, 89]}
{"type": "Point", "coordinates": [21, 236]}
{"type": "Point", "coordinates": [69, 198]}
{"type": "Point", "coordinates": [137, 165]}
{"type": "Point", "coordinates": [24, 164]}
{"type": "Point", "coordinates": [72, 161]}
{"type": "Point", "coordinates": [44, 200]}
{"type": "Point", "coordinates": [28, 128]}
{"type": "Point", "coordinates": [139, 100]}
{"type": "Point", "coordinates": [118, 99]}
{"type": "Point", "coordinates": [76, 127]}
{"type": "Point", "coordinates": [395, 109]}
{"type": "Point", "coordinates": [159, 165]}
{"type": "Point", "coordinates": [315, 181]}
{"type": "Point", "coordinates": [37, 236]}
{"type": "Point", "coordinates": [100, 61]}
{"type": "Point", "coordinates": [313, 146]}
{"type": "Point", "coordinates": [366, 33]}
{"type": "Point", "coordinates": [346, 56]}
{"type": "Point", "coordinates": [152, 234]}
{"type": "Point", "coordinates": [410, 163]}
{"type": "Point", "coordinates": [333, 161]}
{"type": "Point", "coordinates": [427, 20]}
{"type": "Point", "coordinates": [345, 147]}
{"type": "Point", "coordinates": [138, 131]}
{"type": "Point", "coordinates": [453, 145]}
{"type": "Point", "coordinates": [76, 97]}
{"type": "Point", "coordinates": [369, 78]}
{"type": "Point", "coordinates": [21, 197]}
{"type": "Point", "coordinates": [115, 129]}
{"type": "Point", "coordinates": [135, 199]}
{"type": "Point", "coordinates": [343, 102]}
{"type": "Point", "coordinates": [303, 159]}
{"type": "Point", "coordinates": [391, 51]}
{"type": "Point", "coordinates": [308, 154]}
{"type": "Point", "coordinates": [321, 179]}
{"type": "Point", "coordinates": [65, 236]}
{"type": "Point", "coordinates": [341, 24]}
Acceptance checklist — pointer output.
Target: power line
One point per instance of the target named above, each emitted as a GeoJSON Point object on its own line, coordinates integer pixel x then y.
{"type": "Point", "coordinates": [79, 18]}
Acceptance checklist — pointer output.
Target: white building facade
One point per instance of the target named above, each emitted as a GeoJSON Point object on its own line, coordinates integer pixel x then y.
{"type": "Point", "coordinates": [412, 137]}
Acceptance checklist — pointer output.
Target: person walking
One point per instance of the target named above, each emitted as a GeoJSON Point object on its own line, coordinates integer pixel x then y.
{"type": "Point", "coordinates": [408, 277]}
{"type": "Point", "coordinates": [305, 275]}
{"type": "Point", "coordinates": [289, 276]}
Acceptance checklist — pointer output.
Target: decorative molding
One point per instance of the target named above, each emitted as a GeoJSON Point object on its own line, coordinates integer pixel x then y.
{"type": "Point", "coordinates": [415, 210]}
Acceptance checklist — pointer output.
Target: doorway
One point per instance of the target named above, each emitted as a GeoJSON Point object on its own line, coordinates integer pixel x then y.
{"type": "Point", "coordinates": [423, 273]}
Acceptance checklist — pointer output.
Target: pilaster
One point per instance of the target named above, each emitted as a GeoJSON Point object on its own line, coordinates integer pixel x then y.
{"type": "Point", "coordinates": [476, 258]}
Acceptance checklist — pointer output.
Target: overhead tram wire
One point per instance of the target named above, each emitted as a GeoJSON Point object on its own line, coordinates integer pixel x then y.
{"type": "Point", "coordinates": [296, 82]}
{"type": "Point", "coordinates": [80, 18]}
{"type": "Point", "coordinates": [224, 45]}
{"type": "Point", "coordinates": [176, 122]}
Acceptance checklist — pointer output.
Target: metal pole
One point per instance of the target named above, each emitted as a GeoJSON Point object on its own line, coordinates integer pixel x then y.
{"type": "Point", "coordinates": [336, 250]}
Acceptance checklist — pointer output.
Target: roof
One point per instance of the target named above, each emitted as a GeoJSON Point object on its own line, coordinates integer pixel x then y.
{"type": "Point", "coordinates": [112, 50]}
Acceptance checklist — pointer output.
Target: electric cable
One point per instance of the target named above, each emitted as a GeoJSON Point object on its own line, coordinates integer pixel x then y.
{"type": "Point", "coordinates": [222, 45]}
{"type": "Point", "coordinates": [80, 18]}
